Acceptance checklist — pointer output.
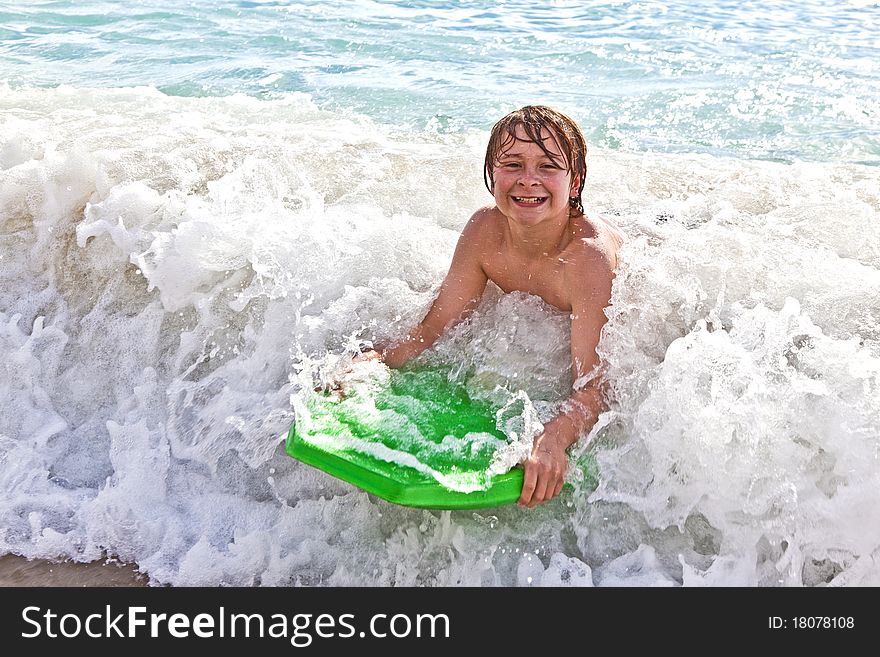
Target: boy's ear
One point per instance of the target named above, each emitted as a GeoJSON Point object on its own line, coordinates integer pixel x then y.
{"type": "Point", "coordinates": [575, 184]}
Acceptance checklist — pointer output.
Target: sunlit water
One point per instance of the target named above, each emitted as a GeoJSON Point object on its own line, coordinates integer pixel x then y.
{"type": "Point", "coordinates": [216, 196]}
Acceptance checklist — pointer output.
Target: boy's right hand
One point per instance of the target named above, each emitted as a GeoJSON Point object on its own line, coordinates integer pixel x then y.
{"type": "Point", "coordinates": [334, 381]}
{"type": "Point", "coordinates": [367, 354]}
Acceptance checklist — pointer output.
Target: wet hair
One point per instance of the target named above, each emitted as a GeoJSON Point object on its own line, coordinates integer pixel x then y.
{"type": "Point", "coordinates": [535, 118]}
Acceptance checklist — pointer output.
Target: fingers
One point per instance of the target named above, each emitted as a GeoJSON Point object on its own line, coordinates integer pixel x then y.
{"type": "Point", "coordinates": [332, 388]}
{"type": "Point", "coordinates": [330, 379]}
{"type": "Point", "coordinates": [369, 354]}
{"type": "Point", "coordinates": [335, 391]}
{"type": "Point", "coordinates": [543, 478]}
{"type": "Point", "coordinates": [530, 478]}
{"type": "Point", "coordinates": [332, 382]}
{"type": "Point", "coordinates": [333, 385]}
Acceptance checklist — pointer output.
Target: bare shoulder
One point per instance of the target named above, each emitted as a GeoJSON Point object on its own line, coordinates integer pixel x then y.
{"type": "Point", "coordinates": [485, 226]}
{"type": "Point", "coordinates": [486, 218]}
{"type": "Point", "coordinates": [594, 246]}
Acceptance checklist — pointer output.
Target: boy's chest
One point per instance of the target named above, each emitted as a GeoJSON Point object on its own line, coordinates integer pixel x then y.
{"type": "Point", "coordinates": [545, 279]}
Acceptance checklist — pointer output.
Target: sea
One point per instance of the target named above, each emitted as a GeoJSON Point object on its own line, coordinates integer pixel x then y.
{"type": "Point", "coordinates": [203, 203]}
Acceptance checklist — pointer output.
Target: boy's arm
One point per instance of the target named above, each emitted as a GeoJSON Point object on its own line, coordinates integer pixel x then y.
{"type": "Point", "coordinates": [546, 466]}
{"type": "Point", "coordinates": [459, 295]}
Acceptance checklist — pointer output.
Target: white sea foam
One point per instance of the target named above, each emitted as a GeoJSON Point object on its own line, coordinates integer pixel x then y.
{"type": "Point", "coordinates": [168, 264]}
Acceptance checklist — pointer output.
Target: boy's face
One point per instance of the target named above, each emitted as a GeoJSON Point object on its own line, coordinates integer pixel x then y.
{"type": "Point", "coordinates": [529, 187]}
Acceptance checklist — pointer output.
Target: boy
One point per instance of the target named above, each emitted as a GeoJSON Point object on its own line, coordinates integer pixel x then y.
{"type": "Point", "coordinates": [535, 239]}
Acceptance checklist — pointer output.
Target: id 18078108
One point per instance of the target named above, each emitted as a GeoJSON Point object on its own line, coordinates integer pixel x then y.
{"type": "Point", "coordinates": [811, 623]}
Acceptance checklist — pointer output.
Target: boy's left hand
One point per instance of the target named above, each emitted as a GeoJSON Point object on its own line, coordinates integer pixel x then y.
{"type": "Point", "coordinates": [544, 469]}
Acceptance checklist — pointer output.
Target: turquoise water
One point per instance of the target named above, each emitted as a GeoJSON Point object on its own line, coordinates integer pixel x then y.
{"type": "Point", "coordinates": [776, 80]}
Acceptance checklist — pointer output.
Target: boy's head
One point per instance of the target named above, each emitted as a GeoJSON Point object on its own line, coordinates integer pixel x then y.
{"type": "Point", "coordinates": [534, 119]}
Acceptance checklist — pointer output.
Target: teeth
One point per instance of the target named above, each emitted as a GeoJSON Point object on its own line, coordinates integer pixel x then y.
{"type": "Point", "coordinates": [528, 199]}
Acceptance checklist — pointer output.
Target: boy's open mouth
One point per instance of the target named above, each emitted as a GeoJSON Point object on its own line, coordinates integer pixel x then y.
{"type": "Point", "coordinates": [529, 200]}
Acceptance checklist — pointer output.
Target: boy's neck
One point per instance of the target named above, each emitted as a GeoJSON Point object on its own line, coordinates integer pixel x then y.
{"type": "Point", "coordinates": [543, 240]}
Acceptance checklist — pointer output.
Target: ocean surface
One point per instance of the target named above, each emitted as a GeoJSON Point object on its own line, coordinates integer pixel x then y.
{"type": "Point", "coordinates": [203, 204]}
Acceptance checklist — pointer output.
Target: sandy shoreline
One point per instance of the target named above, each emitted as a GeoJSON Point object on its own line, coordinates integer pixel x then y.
{"type": "Point", "coordinates": [18, 571]}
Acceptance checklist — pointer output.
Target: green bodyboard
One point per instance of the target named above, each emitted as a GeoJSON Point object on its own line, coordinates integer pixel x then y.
{"type": "Point", "coordinates": [416, 439]}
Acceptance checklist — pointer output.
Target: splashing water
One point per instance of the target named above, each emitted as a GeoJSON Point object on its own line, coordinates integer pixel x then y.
{"type": "Point", "coordinates": [169, 262]}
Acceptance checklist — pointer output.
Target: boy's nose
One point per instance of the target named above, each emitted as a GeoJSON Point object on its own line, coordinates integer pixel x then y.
{"type": "Point", "coordinates": [528, 178]}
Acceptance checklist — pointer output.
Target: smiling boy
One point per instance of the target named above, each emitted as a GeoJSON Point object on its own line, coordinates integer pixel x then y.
{"type": "Point", "coordinates": [535, 239]}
